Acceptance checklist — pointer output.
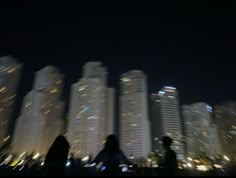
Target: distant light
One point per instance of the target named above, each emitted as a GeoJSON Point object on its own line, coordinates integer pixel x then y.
{"type": "Point", "coordinates": [190, 159]}
{"type": "Point", "coordinates": [86, 158]}
{"type": "Point", "coordinates": [22, 154]}
{"type": "Point", "coordinates": [42, 164]}
{"type": "Point", "coordinates": [155, 165]}
{"type": "Point", "coordinates": [92, 117]}
{"type": "Point", "coordinates": [226, 158]}
{"type": "Point", "coordinates": [209, 108]}
{"type": "Point", "coordinates": [196, 161]}
{"type": "Point", "coordinates": [68, 163]}
{"type": "Point", "coordinates": [7, 138]}
{"type": "Point", "coordinates": [172, 97]}
{"type": "Point", "coordinates": [21, 162]}
{"type": "Point", "coordinates": [218, 166]}
{"type": "Point", "coordinates": [124, 169]}
{"type": "Point", "coordinates": [11, 70]}
{"type": "Point", "coordinates": [103, 168]}
{"type": "Point", "coordinates": [53, 91]}
{"type": "Point", "coordinates": [171, 88]}
{"type": "Point", "coordinates": [36, 156]}
{"type": "Point", "coordinates": [134, 125]}
{"type": "Point", "coordinates": [21, 168]}
{"type": "Point", "coordinates": [149, 160]}
{"type": "Point", "coordinates": [162, 92]}
{"type": "Point", "coordinates": [189, 165]}
{"type": "Point", "coordinates": [131, 157]}
{"type": "Point", "coordinates": [14, 163]}
{"type": "Point", "coordinates": [202, 168]}
{"type": "Point", "coordinates": [131, 166]}
{"type": "Point", "coordinates": [2, 89]}
{"type": "Point", "coordinates": [125, 79]}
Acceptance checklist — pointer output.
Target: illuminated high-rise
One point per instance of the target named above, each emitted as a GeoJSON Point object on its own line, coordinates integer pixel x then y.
{"type": "Point", "coordinates": [40, 121]}
{"type": "Point", "coordinates": [201, 132]}
{"type": "Point", "coordinates": [10, 71]}
{"type": "Point", "coordinates": [135, 139]}
{"type": "Point", "coordinates": [225, 118]}
{"type": "Point", "coordinates": [91, 111]}
{"type": "Point", "coordinates": [170, 118]}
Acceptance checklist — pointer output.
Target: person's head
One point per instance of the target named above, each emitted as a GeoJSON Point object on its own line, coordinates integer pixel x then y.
{"type": "Point", "coordinates": [111, 144]}
{"type": "Point", "coordinates": [166, 141]}
{"type": "Point", "coordinates": [60, 144]}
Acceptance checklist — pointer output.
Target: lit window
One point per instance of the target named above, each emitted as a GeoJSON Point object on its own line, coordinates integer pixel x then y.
{"type": "Point", "coordinates": [11, 70]}
{"type": "Point", "coordinates": [58, 82]}
{"type": "Point", "coordinates": [2, 89]}
{"type": "Point", "coordinates": [53, 91]}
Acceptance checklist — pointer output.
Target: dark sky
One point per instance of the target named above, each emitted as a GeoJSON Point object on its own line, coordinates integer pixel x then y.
{"type": "Point", "coordinates": [189, 45]}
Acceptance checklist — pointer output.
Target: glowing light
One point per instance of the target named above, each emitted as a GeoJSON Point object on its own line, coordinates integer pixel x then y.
{"type": "Point", "coordinates": [86, 158]}
{"type": "Point", "coordinates": [7, 138]}
{"type": "Point", "coordinates": [226, 158]}
{"type": "Point", "coordinates": [42, 164]}
{"type": "Point", "coordinates": [53, 91]}
{"type": "Point", "coordinates": [202, 168]}
{"type": "Point", "coordinates": [21, 162]}
{"type": "Point", "coordinates": [218, 166]}
{"type": "Point", "coordinates": [11, 70]}
{"type": "Point", "coordinates": [68, 163]}
{"type": "Point", "coordinates": [22, 154]}
{"type": "Point", "coordinates": [2, 89]}
{"type": "Point", "coordinates": [162, 92]}
{"type": "Point", "coordinates": [103, 168]}
{"type": "Point", "coordinates": [171, 88]}
{"type": "Point", "coordinates": [92, 117]}
{"type": "Point", "coordinates": [125, 79]}
{"type": "Point", "coordinates": [189, 165]}
{"type": "Point", "coordinates": [190, 159]}
{"type": "Point", "coordinates": [14, 163]}
{"type": "Point", "coordinates": [21, 168]}
{"type": "Point", "coordinates": [36, 156]}
{"type": "Point", "coordinates": [124, 169]}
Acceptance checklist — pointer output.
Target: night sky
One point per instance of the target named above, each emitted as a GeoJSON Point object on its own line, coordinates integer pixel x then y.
{"type": "Point", "coordinates": [189, 45]}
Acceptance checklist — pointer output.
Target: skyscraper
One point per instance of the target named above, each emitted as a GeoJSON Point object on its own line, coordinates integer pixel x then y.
{"type": "Point", "coordinates": [200, 131]}
{"type": "Point", "coordinates": [10, 72]}
{"type": "Point", "coordinates": [40, 121]}
{"type": "Point", "coordinates": [134, 123]}
{"type": "Point", "coordinates": [91, 111]}
{"type": "Point", "coordinates": [225, 118]}
{"type": "Point", "coordinates": [170, 118]}
{"type": "Point", "coordinates": [156, 124]}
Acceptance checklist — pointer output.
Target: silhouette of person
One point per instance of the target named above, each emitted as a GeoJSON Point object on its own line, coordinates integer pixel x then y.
{"type": "Point", "coordinates": [56, 157]}
{"type": "Point", "coordinates": [111, 157]}
{"type": "Point", "coordinates": [170, 161]}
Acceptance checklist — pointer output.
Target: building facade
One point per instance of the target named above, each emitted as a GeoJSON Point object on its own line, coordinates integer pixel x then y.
{"type": "Point", "coordinates": [156, 122]}
{"type": "Point", "coordinates": [91, 112]}
{"type": "Point", "coordinates": [225, 119]}
{"type": "Point", "coordinates": [200, 131]}
{"type": "Point", "coordinates": [41, 118]}
{"type": "Point", "coordinates": [10, 72]}
{"type": "Point", "coordinates": [170, 118]}
{"type": "Point", "coordinates": [135, 139]}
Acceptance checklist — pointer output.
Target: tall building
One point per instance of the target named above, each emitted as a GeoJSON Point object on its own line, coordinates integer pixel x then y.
{"type": "Point", "coordinates": [134, 123]}
{"type": "Point", "coordinates": [91, 112]}
{"type": "Point", "coordinates": [40, 121]}
{"type": "Point", "coordinates": [156, 122]}
{"type": "Point", "coordinates": [170, 118]}
{"type": "Point", "coordinates": [10, 71]}
{"type": "Point", "coordinates": [225, 118]}
{"type": "Point", "coordinates": [200, 131]}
